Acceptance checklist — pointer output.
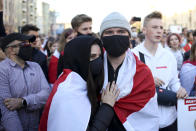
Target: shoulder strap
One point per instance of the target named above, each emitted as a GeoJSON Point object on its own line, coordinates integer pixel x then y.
{"type": "Point", "coordinates": [142, 57]}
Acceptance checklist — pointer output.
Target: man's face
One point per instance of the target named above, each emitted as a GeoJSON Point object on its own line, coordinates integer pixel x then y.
{"type": "Point", "coordinates": [133, 30]}
{"type": "Point", "coordinates": [37, 43]}
{"type": "Point", "coordinates": [14, 47]}
{"type": "Point", "coordinates": [153, 30]}
{"type": "Point", "coordinates": [85, 28]}
{"type": "Point", "coordinates": [115, 31]}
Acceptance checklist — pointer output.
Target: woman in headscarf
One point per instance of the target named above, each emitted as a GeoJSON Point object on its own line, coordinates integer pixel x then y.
{"type": "Point", "coordinates": [74, 104]}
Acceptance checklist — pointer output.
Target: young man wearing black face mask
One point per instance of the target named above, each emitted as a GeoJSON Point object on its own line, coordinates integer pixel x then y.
{"type": "Point", "coordinates": [38, 56]}
{"type": "Point", "coordinates": [82, 24]}
{"type": "Point", "coordinates": [136, 107]}
{"type": "Point", "coordinates": [24, 89]}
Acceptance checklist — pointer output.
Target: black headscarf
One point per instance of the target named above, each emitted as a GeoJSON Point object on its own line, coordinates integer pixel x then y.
{"type": "Point", "coordinates": [77, 54]}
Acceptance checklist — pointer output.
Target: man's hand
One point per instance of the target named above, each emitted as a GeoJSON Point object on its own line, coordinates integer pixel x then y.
{"type": "Point", "coordinates": [181, 93]}
{"type": "Point", "coordinates": [110, 95]}
{"type": "Point", "coordinates": [13, 103]}
{"type": "Point", "coordinates": [158, 82]}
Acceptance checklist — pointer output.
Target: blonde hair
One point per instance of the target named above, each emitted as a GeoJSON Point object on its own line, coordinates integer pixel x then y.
{"type": "Point", "coordinates": [153, 15]}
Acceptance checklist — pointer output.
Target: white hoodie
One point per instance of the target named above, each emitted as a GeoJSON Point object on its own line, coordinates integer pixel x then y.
{"type": "Point", "coordinates": [163, 65]}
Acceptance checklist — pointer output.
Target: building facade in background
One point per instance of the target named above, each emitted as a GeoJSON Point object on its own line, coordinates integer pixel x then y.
{"type": "Point", "coordinates": [21, 12]}
{"type": "Point", "coordinates": [185, 19]}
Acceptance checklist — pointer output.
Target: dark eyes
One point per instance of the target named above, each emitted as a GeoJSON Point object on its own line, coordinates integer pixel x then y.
{"type": "Point", "coordinates": [87, 28]}
{"type": "Point", "coordinates": [156, 27]}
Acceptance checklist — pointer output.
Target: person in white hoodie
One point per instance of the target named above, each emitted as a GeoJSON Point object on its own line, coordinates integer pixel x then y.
{"type": "Point", "coordinates": [163, 66]}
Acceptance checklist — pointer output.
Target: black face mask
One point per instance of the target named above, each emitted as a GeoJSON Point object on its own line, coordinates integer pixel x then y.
{"type": "Point", "coordinates": [115, 45]}
{"type": "Point", "coordinates": [79, 34]}
{"type": "Point", "coordinates": [25, 52]}
{"type": "Point", "coordinates": [96, 66]}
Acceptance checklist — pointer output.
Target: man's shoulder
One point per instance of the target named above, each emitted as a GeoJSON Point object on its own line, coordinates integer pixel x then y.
{"type": "Point", "coordinates": [33, 64]}
{"type": "Point", "coordinates": [4, 65]}
{"type": "Point", "coordinates": [167, 53]}
{"type": "Point", "coordinates": [141, 67]}
{"type": "Point", "coordinates": [137, 48]}
{"type": "Point", "coordinates": [38, 53]}
{"type": "Point", "coordinates": [38, 56]}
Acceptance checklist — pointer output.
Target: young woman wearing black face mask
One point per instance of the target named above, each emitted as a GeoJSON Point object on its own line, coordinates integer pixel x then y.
{"type": "Point", "coordinates": [73, 104]}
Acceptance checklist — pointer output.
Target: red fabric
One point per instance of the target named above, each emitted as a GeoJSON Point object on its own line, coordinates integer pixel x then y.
{"type": "Point", "coordinates": [52, 69]}
{"type": "Point", "coordinates": [62, 53]}
{"type": "Point", "coordinates": [143, 90]}
{"type": "Point", "coordinates": [191, 62]}
{"type": "Point", "coordinates": [44, 118]}
{"type": "Point", "coordinates": [187, 47]}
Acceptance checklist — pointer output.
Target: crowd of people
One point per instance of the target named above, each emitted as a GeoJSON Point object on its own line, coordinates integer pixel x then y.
{"type": "Point", "coordinates": [118, 79]}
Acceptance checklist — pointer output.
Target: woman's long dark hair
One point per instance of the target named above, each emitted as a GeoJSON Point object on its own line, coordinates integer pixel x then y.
{"type": "Point", "coordinates": [94, 86]}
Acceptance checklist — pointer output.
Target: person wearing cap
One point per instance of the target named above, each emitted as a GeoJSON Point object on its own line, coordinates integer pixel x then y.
{"type": "Point", "coordinates": [24, 89]}
{"type": "Point", "coordinates": [163, 65]}
{"type": "Point", "coordinates": [136, 108]}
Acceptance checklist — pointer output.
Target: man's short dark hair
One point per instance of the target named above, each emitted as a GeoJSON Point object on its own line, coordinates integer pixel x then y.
{"type": "Point", "coordinates": [194, 33]}
{"type": "Point", "coordinates": [153, 15]}
{"type": "Point", "coordinates": [79, 19]}
{"type": "Point", "coordinates": [26, 28]}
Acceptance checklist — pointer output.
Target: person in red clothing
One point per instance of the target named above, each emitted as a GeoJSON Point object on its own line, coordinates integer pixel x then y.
{"type": "Point", "coordinates": [187, 47]}
{"type": "Point", "coordinates": [65, 37]}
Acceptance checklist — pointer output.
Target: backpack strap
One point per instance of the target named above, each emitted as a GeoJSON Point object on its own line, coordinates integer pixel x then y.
{"type": "Point", "coordinates": [142, 57]}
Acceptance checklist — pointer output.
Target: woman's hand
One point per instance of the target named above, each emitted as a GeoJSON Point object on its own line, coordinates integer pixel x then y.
{"type": "Point", "coordinates": [109, 96]}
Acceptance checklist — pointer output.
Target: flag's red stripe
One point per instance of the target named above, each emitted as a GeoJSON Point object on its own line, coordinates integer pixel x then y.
{"type": "Point", "coordinates": [143, 90]}
{"type": "Point", "coordinates": [52, 69]}
{"type": "Point", "coordinates": [161, 67]}
{"type": "Point", "coordinates": [44, 118]}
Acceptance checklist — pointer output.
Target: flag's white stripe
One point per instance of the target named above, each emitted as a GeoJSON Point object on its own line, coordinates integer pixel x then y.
{"type": "Point", "coordinates": [144, 119]}
{"type": "Point", "coordinates": [125, 75]}
{"type": "Point", "coordinates": [70, 107]}
{"type": "Point", "coordinates": [56, 54]}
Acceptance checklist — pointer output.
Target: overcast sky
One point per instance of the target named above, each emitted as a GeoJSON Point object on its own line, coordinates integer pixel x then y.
{"type": "Point", "coordinates": [98, 9]}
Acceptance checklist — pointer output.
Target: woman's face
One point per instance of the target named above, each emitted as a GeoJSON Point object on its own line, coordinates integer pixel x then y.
{"type": "Point", "coordinates": [95, 52]}
{"type": "Point", "coordinates": [174, 42]}
{"type": "Point", "coordinates": [54, 47]}
{"type": "Point", "coordinates": [70, 37]}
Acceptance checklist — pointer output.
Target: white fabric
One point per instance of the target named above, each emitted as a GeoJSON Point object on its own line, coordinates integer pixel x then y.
{"type": "Point", "coordinates": [163, 66]}
{"type": "Point", "coordinates": [179, 57]}
{"type": "Point", "coordinates": [70, 108]}
{"type": "Point", "coordinates": [56, 54]}
{"type": "Point", "coordinates": [187, 76]}
{"type": "Point", "coordinates": [147, 118]}
{"type": "Point", "coordinates": [128, 68]}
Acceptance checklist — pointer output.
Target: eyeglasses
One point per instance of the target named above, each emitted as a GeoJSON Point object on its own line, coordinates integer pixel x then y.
{"type": "Point", "coordinates": [19, 44]}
